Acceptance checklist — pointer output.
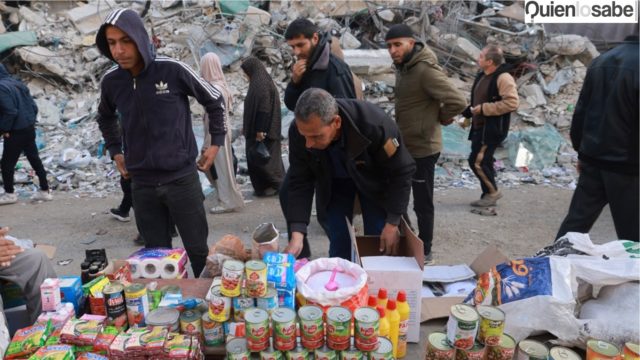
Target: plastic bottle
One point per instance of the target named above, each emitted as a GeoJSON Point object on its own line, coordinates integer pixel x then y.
{"type": "Point", "coordinates": [394, 325]}
{"type": "Point", "coordinates": [404, 310]}
{"type": "Point", "coordinates": [373, 301]}
{"type": "Point", "coordinates": [382, 298]}
{"type": "Point", "coordinates": [383, 325]}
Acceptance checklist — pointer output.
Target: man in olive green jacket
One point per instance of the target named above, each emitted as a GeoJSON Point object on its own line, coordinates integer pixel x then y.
{"type": "Point", "coordinates": [425, 100]}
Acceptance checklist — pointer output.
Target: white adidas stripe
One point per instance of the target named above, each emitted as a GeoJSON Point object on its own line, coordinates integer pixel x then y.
{"type": "Point", "coordinates": [109, 71]}
{"type": "Point", "coordinates": [210, 89]}
{"type": "Point", "coordinates": [114, 16]}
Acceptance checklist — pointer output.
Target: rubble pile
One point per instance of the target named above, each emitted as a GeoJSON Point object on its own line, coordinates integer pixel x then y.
{"type": "Point", "coordinates": [51, 46]}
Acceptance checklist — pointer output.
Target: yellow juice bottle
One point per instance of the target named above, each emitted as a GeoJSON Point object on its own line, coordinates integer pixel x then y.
{"type": "Point", "coordinates": [394, 325]}
{"type": "Point", "coordinates": [404, 310]}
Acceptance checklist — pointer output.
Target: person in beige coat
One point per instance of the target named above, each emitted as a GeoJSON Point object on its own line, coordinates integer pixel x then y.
{"type": "Point", "coordinates": [425, 100]}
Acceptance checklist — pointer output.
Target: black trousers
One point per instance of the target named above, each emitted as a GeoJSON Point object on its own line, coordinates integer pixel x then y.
{"type": "Point", "coordinates": [597, 188]}
{"type": "Point", "coordinates": [422, 185]}
{"type": "Point", "coordinates": [481, 162]}
{"type": "Point", "coordinates": [127, 200]}
{"type": "Point", "coordinates": [181, 201]}
{"type": "Point", "coordinates": [19, 141]}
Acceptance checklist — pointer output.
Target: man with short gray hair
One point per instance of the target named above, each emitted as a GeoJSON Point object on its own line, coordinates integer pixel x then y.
{"type": "Point", "coordinates": [347, 147]}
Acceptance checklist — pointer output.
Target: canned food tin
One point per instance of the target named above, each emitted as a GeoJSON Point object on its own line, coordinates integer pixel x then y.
{"type": "Point", "coordinates": [284, 329]}
{"type": "Point", "coordinates": [256, 323]}
{"type": "Point", "coordinates": [475, 353]}
{"type": "Point", "coordinates": [213, 331]}
{"type": "Point", "coordinates": [232, 278]}
{"type": "Point", "coordinates": [325, 353]}
{"type": "Point", "coordinates": [562, 353]}
{"type": "Point", "coordinates": [191, 322]}
{"type": "Point", "coordinates": [137, 304]}
{"type": "Point", "coordinates": [491, 325]}
{"type": "Point", "coordinates": [219, 305]}
{"type": "Point", "coordinates": [237, 349]}
{"type": "Point", "coordinates": [366, 328]}
{"type": "Point", "coordinates": [115, 305]}
{"type": "Point", "coordinates": [351, 354]}
{"type": "Point", "coordinates": [240, 305]}
{"type": "Point", "coordinates": [164, 317]}
{"type": "Point", "coordinates": [462, 326]}
{"type": "Point", "coordinates": [631, 351]}
{"type": "Point", "coordinates": [504, 350]}
{"type": "Point", "coordinates": [438, 348]}
{"type": "Point", "coordinates": [601, 350]}
{"type": "Point", "coordinates": [385, 350]}
{"type": "Point", "coordinates": [256, 278]}
{"type": "Point", "coordinates": [311, 327]}
{"type": "Point", "coordinates": [338, 328]}
{"type": "Point", "coordinates": [532, 350]}
{"type": "Point", "coordinates": [299, 353]}
{"type": "Point", "coordinates": [269, 301]}
{"type": "Point", "coordinates": [271, 354]}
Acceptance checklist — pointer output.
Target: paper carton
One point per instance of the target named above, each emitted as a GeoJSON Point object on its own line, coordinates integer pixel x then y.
{"type": "Point", "coordinates": [437, 307]}
{"type": "Point", "coordinates": [394, 273]}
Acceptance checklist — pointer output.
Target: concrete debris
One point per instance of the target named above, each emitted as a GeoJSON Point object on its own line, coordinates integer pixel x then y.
{"type": "Point", "coordinates": [57, 58]}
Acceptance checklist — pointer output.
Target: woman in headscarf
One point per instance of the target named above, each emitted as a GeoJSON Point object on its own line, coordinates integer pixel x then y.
{"type": "Point", "coordinates": [229, 195]}
{"type": "Point", "coordinates": [262, 124]}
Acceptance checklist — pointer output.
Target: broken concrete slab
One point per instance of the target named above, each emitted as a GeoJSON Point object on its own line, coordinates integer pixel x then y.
{"type": "Point", "coordinates": [562, 78]}
{"type": "Point", "coordinates": [31, 17]}
{"type": "Point", "coordinates": [368, 62]}
{"type": "Point", "coordinates": [17, 38]}
{"type": "Point", "coordinates": [254, 17]}
{"type": "Point", "coordinates": [48, 113]}
{"type": "Point", "coordinates": [39, 55]}
{"type": "Point", "coordinates": [534, 95]}
{"type": "Point", "coordinates": [566, 44]}
{"type": "Point", "coordinates": [88, 18]}
{"type": "Point", "coordinates": [348, 41]}
{"type": "Point", "coordinates": [386, 15]}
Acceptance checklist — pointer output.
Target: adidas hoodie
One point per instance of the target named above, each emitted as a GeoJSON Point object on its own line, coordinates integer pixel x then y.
{"type": "Point", "coordinates": [148, 116]}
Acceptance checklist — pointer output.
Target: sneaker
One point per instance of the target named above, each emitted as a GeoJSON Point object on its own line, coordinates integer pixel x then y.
{"type": "Point", "coordinates": [8, 198]}
{"type": "Point", "coordinates": [220, 210]}
{"type": "Point", "coordinates": [120, 215]}
{"type": "Point", "coordinates": [487, 200]}
{"type": "Point", "coordinates": [428, 259]}
{"type": "Point", "coordinates": [42, 195]}
{"type": "Point", "coordinates": [138, 240]}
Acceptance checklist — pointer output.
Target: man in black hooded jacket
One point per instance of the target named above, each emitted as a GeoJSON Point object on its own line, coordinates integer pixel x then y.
{"type": "Point", "coordinates": [151, 94]}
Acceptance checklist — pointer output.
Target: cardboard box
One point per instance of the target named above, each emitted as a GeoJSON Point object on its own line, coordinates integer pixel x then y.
{"type": "Point", "coordinates": [437, 307]}
{"type": "Point", "coordinates": [71, 291]}
{"type": "Point", "coordinates": [394, 273]}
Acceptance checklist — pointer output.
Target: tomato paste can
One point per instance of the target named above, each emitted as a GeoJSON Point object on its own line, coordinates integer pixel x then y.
{"type": "Point", "coordinates": [256, 323]}
{"type": "Point", "coordinates": [631, 351]}
{"type": "Point", "coordinates": [232, 271]}
{"type": "Point", "coordinates": [366, 328]}
{"type": "Point", "coordinates": [212, 331]}
{"type": "Point", "coordinates": [351, 354]}
{"type": "Point", "coordinates": [324, 353]}
{"type": "Point", "coordinates": [237, 349]}
{"type": "Point", "coordinates": [462, 326]}
{"type": "Point", "coordinates": [164, 317]}
{"type": "Point", "coordinates": [338, 328]}
{"type": "Point", "coordinates": [562, 353]}
{"type": "Point", "coordinates": [311, 327]}
{"type": "Point", "coordinates": [601, 350]}
{"type": "Point", "coordinates": [385, 350]}
{"type": "Point", "coordinates": [240, 305]}
{"type": "Point", "coordinates": [298, 353]}
{"type": "Point", "coordinates": [137, 304]}
{"type": "Point", "coordinates": [219, 305]}
{"type": "Point", "coordinates": [504, 350]}
{"type": "Point", "coordinates": [191, 322]}
{"type": "Point", "coordinates": [284, 329]}
{"type": "Point", "coordinates": [270, 353]}
{"type": "Point", "coordinates": [475, 353]}
{"type": "Point", "coordinates": [438, 347]}
{"type": "Point", "coordinates": [255, 278]}
{"type": "Point", "coordinates": [532, 350]}
{"type": "Point", "coordinates": [115, 305]}
{"type": "Point", "coordinates": [269, 301]}
{"type": "Point", "coordinates": [491, 325]}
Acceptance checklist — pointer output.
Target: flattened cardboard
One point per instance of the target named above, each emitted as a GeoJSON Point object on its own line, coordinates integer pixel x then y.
{"type": "Point", "coordinates": [48, 250]}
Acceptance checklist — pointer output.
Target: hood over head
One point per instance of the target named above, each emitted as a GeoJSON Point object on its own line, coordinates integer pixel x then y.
{"type": "Point", "coordinates": [129, 22]}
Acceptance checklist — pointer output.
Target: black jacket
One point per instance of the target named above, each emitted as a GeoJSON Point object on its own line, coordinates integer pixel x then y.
{"type": "Point", "coordinates": [604, 129]}
{"type": "Point", "coordinates": [157, 136]}
{"type": "Point", "coordinates": [17, 109]}
{"type": "Point", "coordinates": [324, 71]}
{"type": "Point", "coordinates": [495, 128]}
{"type": "Point", "coordinates": [368, 137]}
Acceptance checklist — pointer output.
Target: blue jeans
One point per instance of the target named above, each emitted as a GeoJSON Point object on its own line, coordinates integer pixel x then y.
{"type": "Point", "coordinates": [343, 193]}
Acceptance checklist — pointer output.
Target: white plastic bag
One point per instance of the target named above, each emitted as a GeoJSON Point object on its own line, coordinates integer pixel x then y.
{"type": "Point", "coordinates": [612, 249]}
{"type": "Point", "coordinates": [330, 298]}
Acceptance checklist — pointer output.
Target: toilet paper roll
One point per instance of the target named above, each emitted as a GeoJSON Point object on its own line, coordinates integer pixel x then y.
{"type": "Point", "coordinates": [135, 267]}
{"type": "Point", "coordinates": [171, 268]}
{"type": "Point", "coordinates": [150, 268]}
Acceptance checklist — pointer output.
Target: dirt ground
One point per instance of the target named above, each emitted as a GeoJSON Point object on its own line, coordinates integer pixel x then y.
{"type": "Point", "coordinates": [528, 218]}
